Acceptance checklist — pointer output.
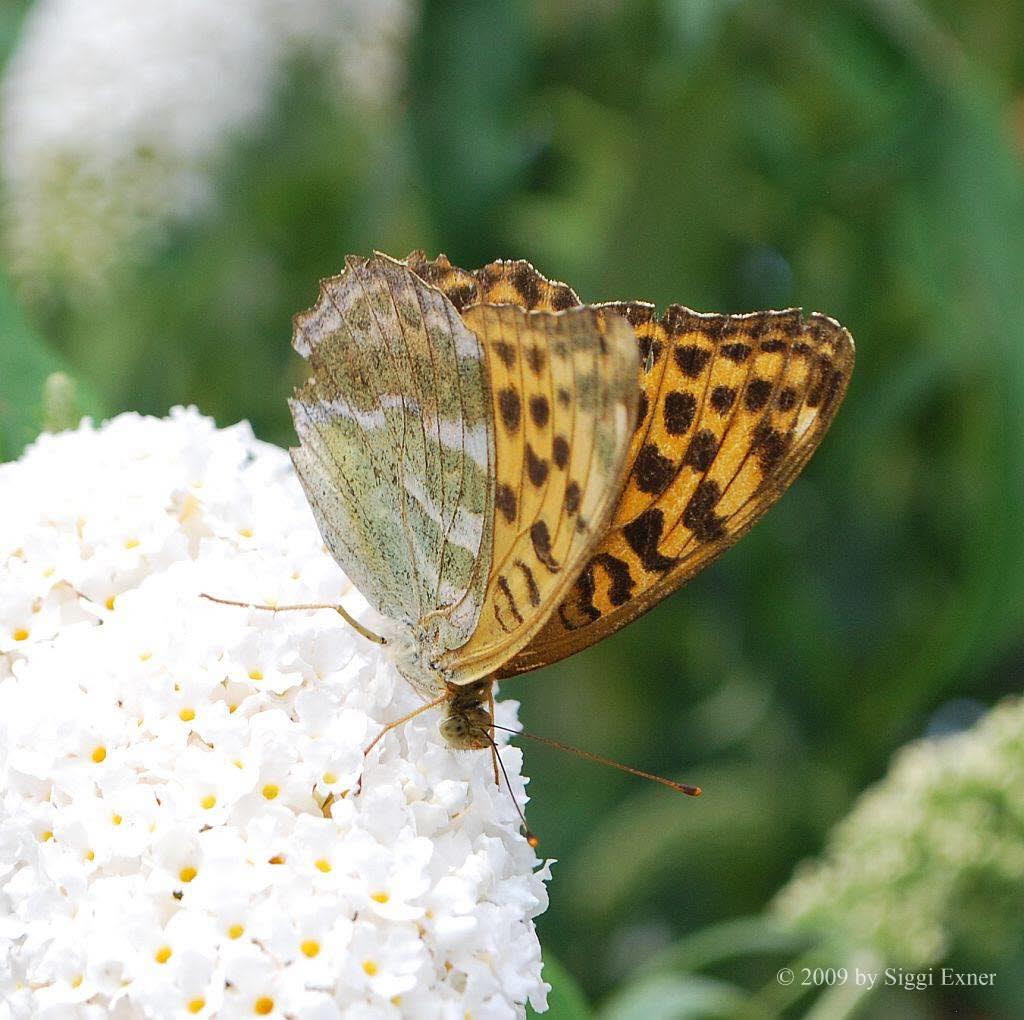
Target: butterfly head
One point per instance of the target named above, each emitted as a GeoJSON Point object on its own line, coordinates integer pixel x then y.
{"type": "Point", "coordinates": [467, 724]}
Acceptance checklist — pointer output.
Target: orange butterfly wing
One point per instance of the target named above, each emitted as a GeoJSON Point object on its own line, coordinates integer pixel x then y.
{"type": "Point", "coordinates": [731, 407]}
{"type": "Point", "coordinates": [564, 396]}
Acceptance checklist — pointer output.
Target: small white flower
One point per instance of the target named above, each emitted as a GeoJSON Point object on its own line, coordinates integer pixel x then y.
{"type": "Point", "coordinates": [179, 829]}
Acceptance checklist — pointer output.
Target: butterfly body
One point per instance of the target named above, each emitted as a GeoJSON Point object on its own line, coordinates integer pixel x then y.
{"type": "Point", "coordinates": [510, 475]}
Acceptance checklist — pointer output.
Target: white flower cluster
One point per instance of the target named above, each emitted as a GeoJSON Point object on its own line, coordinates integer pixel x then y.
{"type": "Point", "coordinates": [931, 857]}
{"type": "Point", "coordinates": [179, 829]}
{"type": "Point", "coordinates": [115, 114]}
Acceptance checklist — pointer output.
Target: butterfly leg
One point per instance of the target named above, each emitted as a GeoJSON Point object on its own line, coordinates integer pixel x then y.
{"type": "Point", "coordinates": [494, 747]}
{"type": "Point", "coordinates": [391, 725]}
{"type": "Point", "coordinates": [340, 610]}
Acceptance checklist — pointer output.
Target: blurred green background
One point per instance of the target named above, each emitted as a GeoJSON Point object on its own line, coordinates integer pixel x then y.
{"type": "Point", "coordinates": [858, 158]}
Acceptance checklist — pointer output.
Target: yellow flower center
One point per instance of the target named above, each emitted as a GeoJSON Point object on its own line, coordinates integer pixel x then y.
{"type": "Point", "coordinates": [163, 954]}
{"type": "Point", "coordinates": [270, 791]}
{"type": "Point", "coordinates": [370, 967]}
{"type": "Point", "coordinates": [236, 931]}
{"type": "Point", "coordinates": [99, 754]}
{"type": "Point", "coordinates": [208, 801]}
{"type": "Point", "coordinates": [330, 777]}
{"type": "Point", "coordinates": [187, 714]}
{"type": "Point", "coordinates": [263, 1006]}
{"type": "Point", "coordinates": [380, 897]}
{"type": "Point", "coordinates": [310, 947]}
{"type": "Point", "coordinates": [255, 674]}
{"type": "Point", "coordinates": [323, 865]}
{"type": "Point", "coordinates": [196, 1005]}
{"type": "Point", "coordinates": [187, 873]}
{"type": "Point", "coordinates": [21, 634]}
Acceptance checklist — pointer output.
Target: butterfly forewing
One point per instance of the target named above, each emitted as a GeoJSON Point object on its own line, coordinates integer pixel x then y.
{"type": "Point", "coordinates": [730, 409]}
{"type": "Point", "coordinates": [397, 446]}
{"type": "Point", "coordinates": [564, 396]}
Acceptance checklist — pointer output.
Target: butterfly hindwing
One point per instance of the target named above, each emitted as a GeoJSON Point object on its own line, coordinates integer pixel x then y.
{"type": "Point", "coordinates": [564, 401]}
{"type": "Point", "coordinates": [396, 444]}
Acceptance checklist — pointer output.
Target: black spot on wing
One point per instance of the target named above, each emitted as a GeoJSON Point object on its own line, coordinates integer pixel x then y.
{"type": "Point", "coordinates": [653, 472]}
{"type": "Point", "coordinates": [735, 352]}
{"type": "Point", "coordinates": [562, 297]}
{"type": "Point", "coordinates": [536, 358]}
{"type": "Point", "coordinates": [787, 399]}
{"type": "Point", "coordinates": [505, 351]}
{"type": "Point", "coordinates": [510, 408]}
{"type": "Point", "coordinates": [505, 501]}
{"type": "Point", "coordinates": [462, 296]}
{"type": "Point", "coordinates": [643, 536]}
{"type": "Point", "coordinates": [540, 410]}
{"type": "Point", "coordinates": [722, 398]}
{"type": "Point", "coordinates": [699, 515]}
{"type": "Point", "coordinates": [581, 600]}
{"type": "Point", "coordinates": [621, 586]}
{"type": "Point", "coordinates": [507, 592]}
{"type": "Point", "coordinates": [524, 279]}
{"type": "Point", "coordinates": [572, 498]}
{"type": "Point", "coordinates": [702, 449]}
{"type": "Point", "coordinates": [533, 592]}
{"type": "Point", "coordinates": [540, 536]}
{"type": "Point", "coordinates": [691, 359]}
{"type": "Point", "coordinates": [650, 351]}
{"type": "Point", "coordinates": [680, 409]}
{"type": "Point", "coordinates": [770, 445]}
{"type": "Point", "coordinates": [560, 451]}
{"type": "Point", "coordinates": [536, 467]}
{"type": "Point", "coordinates": [757, 393]}
{"type": "Point", "coordinates": [643, 404]}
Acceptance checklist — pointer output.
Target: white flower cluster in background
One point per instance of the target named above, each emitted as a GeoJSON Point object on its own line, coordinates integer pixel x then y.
{"type": "Point", "coordinates": [930, 857]}
{"type": "Point", "coordinates": [179, 829]}
{"type": "Point", "coordinates": [115, 115]}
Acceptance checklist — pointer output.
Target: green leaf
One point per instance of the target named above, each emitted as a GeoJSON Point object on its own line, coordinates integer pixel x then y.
{"type": "Point", "coordinates": [674, 997]}
{"type": "Point", "coordinates": [11, 15]}
{"type": "Point", "coordinates": [565, 1000]}
{"type": "Point", "coordinates": [761, 935]}
{"type": "Point", "coordinates": [35, 387]}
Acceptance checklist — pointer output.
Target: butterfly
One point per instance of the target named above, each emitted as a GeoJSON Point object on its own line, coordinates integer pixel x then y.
{"type": "Point", "coordinates": [510, 475]}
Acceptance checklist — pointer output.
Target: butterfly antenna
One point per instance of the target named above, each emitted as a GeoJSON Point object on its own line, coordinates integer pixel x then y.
{"type": "Point", "coordinates": [690, 791]}
{"type": "Point", "coordinates": [340, 610]}
{"type": "Point", "coordinates": [530, 837]}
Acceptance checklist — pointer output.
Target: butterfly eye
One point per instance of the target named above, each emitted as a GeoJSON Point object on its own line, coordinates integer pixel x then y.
{"type": "Point", "coordinates": [453, 728]}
